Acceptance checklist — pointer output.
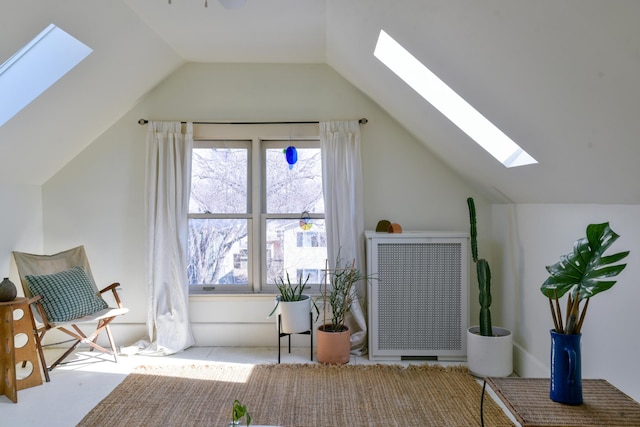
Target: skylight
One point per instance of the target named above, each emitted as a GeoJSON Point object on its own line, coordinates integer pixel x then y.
{"type": "Point", "coordinates": [36, 67]}
{"type": "Point", "coordinates": [449, 103]}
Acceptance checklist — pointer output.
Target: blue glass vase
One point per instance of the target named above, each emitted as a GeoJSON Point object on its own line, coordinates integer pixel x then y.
{"type": "Point", "coordinates": [566, 370]}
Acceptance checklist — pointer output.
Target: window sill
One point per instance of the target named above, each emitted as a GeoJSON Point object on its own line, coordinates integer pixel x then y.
{"type": "Point", "coordinates": [241, 295]}
{"type": "Point", "coordinates": [222, 294]}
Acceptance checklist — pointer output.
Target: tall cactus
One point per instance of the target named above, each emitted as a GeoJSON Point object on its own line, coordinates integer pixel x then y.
{"type": "Point", "coordinates": [484, 275]}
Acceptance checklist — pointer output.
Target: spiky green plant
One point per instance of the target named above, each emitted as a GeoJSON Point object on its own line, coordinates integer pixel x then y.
{"type": "Point", "coordinates": [581, 275]}
{"type": "Point", "coordinates": [484, 275]}
{"type": "Point", "coordinates": [292, 292]}
{"type": "Point", "coordinates": [337, 296]}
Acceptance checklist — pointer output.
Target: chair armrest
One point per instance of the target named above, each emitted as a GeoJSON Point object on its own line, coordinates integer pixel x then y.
{"type": "Point", "coordinates": [42, 316]}
{"type": "Point", "coordinates": [110, 287]}
{"type": "Point", "coordinates": [113, 288]}
{"type": "Point", "coordinates": [35, 299]}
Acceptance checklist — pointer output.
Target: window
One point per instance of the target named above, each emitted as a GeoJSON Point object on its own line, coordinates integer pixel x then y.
{"type": "Point", "coordinates": [253, 219]}
{"type": "Point", "coordinates": [291, 196]}
{"type": "Point", "coordinates": [312, 239]}
{"type": "Point", "coordinates": [449, 103]}
{"type": "Point", "coordinates": [219, 218]}
{"type": "Point", "coordinates": [36, 67]}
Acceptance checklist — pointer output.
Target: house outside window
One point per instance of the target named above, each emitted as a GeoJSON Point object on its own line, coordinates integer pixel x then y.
{"type": "Point", "coordinates": [252, 218]}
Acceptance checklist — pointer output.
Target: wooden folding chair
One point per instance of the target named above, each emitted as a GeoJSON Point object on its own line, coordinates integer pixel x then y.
{"type": "Point", "coordinates": [69, 297]}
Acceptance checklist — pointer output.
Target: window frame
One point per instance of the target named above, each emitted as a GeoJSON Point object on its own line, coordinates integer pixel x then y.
{"type": "Point", "coordinates": [260, 137]}
{"type": "Point", "coordinates": [312, 288]}
{"type": "Point", "coordinates": [201, 289]}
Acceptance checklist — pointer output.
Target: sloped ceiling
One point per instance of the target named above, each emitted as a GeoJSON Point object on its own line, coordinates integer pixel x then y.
{"type": "Point", "coordinates": [560, 78]}
{"type": "Point", "coordinates": [128, 59]}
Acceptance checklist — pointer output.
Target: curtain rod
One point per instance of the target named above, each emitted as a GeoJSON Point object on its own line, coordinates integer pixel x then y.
{"type": "Point", "coordinates": [362, 121]}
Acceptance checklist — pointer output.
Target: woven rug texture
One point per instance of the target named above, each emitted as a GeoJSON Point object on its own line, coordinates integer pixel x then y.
{"type": "Point", "coordinates": [604, 405]}
{"type": "Point", "coordinates": [297, 395]}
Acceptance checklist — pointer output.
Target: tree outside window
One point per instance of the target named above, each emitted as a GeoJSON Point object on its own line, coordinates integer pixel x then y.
{"type": "Point", "coordinates": [222, 215]}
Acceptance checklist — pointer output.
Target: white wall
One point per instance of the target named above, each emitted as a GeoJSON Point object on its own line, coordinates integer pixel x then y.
{"type": "Point", "coordinates": [20, 225]}
{"type": "Point", "coordinates": [97, 199]}
{"type": "Point", "coordinates": [530, 237]}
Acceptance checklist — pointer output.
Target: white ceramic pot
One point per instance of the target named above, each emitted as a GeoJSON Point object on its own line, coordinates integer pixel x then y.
{"type": "Point", "coordinates": [490, 356]}
{"type": "Point", "coordinates": [295, 315]}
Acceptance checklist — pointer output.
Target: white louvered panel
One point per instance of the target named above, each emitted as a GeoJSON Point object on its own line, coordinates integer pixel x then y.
{"type": "Point", "coordinates": [418, 297]}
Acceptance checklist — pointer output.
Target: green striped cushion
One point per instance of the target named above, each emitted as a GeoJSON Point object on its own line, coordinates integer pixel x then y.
{"type": "Point", "coordinates": [67, 295]}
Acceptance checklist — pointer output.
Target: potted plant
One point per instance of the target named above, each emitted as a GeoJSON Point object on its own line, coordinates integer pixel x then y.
{"type": "Point", "coordinates": [293, 307]}
{"type": "Point", "coordinates": [489, 348]}
{"type": "Point", "coordinates": [333, 335]}
{"type": "Point", "coordinates": [237, 412]}
{"type": "Point", "coordinates": [579, 275]}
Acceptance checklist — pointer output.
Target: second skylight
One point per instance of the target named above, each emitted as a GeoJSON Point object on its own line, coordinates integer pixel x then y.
{"type": "Point", "coordinates": [449, 103]}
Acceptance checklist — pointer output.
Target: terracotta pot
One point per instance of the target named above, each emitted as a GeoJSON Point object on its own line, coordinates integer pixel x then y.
{"type": "Point", "coordinates": [334, 348]}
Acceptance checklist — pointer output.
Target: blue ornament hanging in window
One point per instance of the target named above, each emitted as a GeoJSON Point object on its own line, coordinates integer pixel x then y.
{"type": "Point", "coordinates": [292, 155]}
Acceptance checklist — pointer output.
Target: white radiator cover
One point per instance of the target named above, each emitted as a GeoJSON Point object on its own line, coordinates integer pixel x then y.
{"type": "Point", "coordinates": [418, 297]}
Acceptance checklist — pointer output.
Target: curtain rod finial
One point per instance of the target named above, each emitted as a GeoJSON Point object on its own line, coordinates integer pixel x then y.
{"type": "Point", "coordinates": [363, 121]}
{"type": "Point", "coordinates": [143, 121]}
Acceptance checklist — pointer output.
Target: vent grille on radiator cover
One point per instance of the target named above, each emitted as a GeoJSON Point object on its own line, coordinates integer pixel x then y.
{"type": "Point", "coordinates": [419, 299]}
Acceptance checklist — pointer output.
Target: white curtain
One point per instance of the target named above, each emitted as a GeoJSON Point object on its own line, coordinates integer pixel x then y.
{"type": "Point", "coordinates": [167, 192]}
{"type": "Point", "coordinates": [344, 212]}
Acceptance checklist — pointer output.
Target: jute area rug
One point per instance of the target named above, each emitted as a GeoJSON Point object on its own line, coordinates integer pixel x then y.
{"type": "Point", "coordinates": [297, 395]}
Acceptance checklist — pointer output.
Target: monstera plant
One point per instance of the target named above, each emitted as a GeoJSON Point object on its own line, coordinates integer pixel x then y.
{"type": "Point", "coordinates": [581, 275]}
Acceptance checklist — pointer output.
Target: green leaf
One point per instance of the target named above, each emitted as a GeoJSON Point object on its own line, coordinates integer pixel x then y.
{"type": "Point", "coordinates": [583, 271]}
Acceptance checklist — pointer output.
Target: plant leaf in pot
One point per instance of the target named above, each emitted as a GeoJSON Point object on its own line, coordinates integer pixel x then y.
{"type": "Point", "coordinates": [337, 294]}
{"type": "Point", "coordinates": [293, 305]}
{"type": "Point", "coordinates": [484, 275]}
{"type": "Point", "coordinates": [579, 275]}
{"type": "Point", "coordinates": [238, 411]}
{"type": "Point", "coordinates": [489, 348]}
{"type": "Point", "coordinates": [333, 341]}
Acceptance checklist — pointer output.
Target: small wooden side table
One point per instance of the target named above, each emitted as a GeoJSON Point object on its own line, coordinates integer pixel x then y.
{"type": "Point", "coordinates": [19, 344]}
{"type": "Point", "coordinates": [528, 400]}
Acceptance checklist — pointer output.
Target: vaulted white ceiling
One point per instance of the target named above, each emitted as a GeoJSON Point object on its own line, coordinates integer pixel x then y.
{"type": "Point", "coordinates": [560, 78]}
